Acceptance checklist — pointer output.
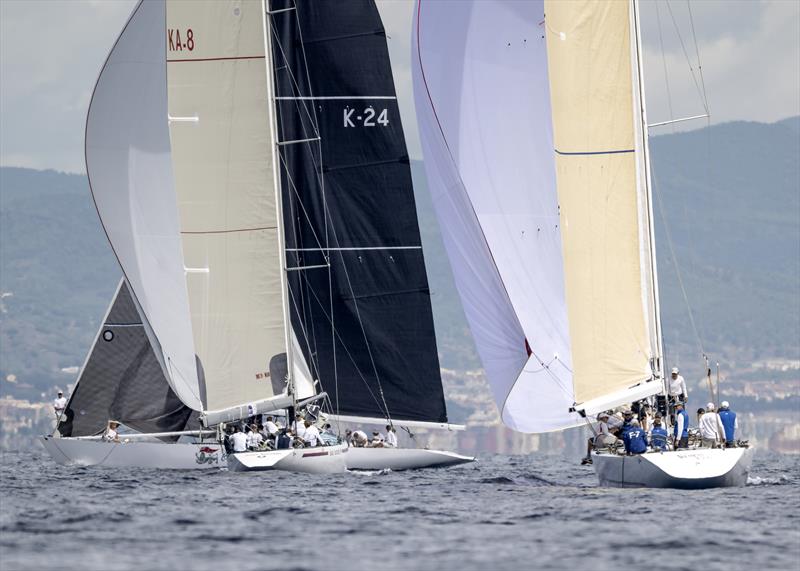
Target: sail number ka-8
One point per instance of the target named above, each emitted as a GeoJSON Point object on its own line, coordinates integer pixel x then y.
{"type": "Point", "coordinates": [178, 40]}
{"type": "Point", "coordinates": [366, 118]}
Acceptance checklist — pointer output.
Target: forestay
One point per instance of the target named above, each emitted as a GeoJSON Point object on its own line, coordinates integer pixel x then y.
{"type": "Point", "coordinates": [359, 293]}
{"type": "Point", "coordinates": [528, 126]}
{"type": "Point", "coordinates": [123, 380]}
{"type": "Point", "coordinates": [131, 179]}
{"type": "Point", "coordinates": [222, 157]}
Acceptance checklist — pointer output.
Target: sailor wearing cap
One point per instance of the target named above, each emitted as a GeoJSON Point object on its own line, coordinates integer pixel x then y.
{"type": "Point", "coordinates": [677, 386]}
{"type": "Point", "coordinates": [711, 430]}
{"type": "Point", "coordinates": [729, 422]}
{"type": "Point", "coordinates": [601, 439]}
{"type": "Point", "coordinates": [658, 435]}
{"type": "Point", "coordinates": [635, 439]}
{"type": "Point", "coordinates": [59, 404]}
{"type": "Point", "coordinates": [111, 434]}
{"type": "Point", "coordinates": [681, 432]}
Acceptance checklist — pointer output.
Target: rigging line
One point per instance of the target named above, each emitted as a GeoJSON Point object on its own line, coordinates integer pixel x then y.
{"type": "Point", "coordinates": [315, 124]}
{"type": "Point", "coordinates": [697, 53]}
{"type": "Point", "coordinates": [675, 261]}
{"type": "Point", "coordinates": [303, 331]}
{"type": "Point", "coordinates": [686, 55]}
{"type": "Point", "coordinates": [558, 381]}
{"type": "Point", "coordinates": [347, 351]}
{"type": "Point", "coordinates": [299, 200]}
{"type": "Point", "coordinates": [664, 63]}
{"type": "Point", "coordinates": [295, 85]}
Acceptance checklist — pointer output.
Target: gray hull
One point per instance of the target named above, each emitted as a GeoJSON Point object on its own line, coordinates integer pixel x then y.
{"type": "Point", "coordinates": [682, 469]}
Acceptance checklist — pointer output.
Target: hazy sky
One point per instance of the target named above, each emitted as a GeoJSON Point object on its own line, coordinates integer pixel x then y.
{"type": "Point", "coordinates": [52, 50]}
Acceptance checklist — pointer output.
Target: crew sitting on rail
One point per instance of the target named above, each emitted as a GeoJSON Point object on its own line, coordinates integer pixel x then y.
{"type": "Point", "coordinates": [658, 435]}
{"type": "Point", "coordinates": [601, 439]}
{"type": "Point", "coordinates": [111, 434]}
{"type": "Point", "coordinates": [328, 436]}
{"type": "Point", "coordinates": [377, 439]}
{"type": "Point", "coordinates": [681, 432]}
{"type": "Point", "coordinates": [391, 437]}
{"type": "Point", "coordinates": [635, 439]}
{"type": "Point", "coordinates": [615, 421]}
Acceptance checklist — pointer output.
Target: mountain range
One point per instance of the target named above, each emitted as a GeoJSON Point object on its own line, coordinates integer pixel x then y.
{"type": "Point", "coordinates": [727, 213]}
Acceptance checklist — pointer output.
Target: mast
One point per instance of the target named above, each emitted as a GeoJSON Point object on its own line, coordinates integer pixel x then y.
{"type": "Point", "coordinates": [659, 340]}
{"type": "Point", "coordinates": [276, 161]}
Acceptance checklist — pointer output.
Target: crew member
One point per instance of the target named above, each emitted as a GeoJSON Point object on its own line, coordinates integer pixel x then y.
{"type": "Point", "coordinates": [658, 435]}
{"type": "Point", "coordinates": [601, 439]}
{"type": "Point", "coordinates": [729, 422]}
{"type": "Point", "coordinates": [59, 404]}
{"type": "Point", "coordinates": [254, 438]}
{"type": "Point", "coordinates": [635, 439]}
{"type": "Point", "coordinates": [111, 434]}
{"type": "Point", "coordinates": [677, 387]}
{"type": "Point", "coordinates": [310, 434]}
{"type": "Point", "coordinates": [377, 439]}
{"type": "Point", "coordinates": [681, 431]}
{"type": "Point", "coordinates": [284, 440]}
{"type": "Point", "coordinates": [270, 426]}
{"type": "Point", "coordinates": [391, 437]}
{"type": "Point", "coordinates": [239, 441]}
{"type": "Point", "coordinates": [711, 430]}
{"type": "Point", "coordinates": [359, 439]}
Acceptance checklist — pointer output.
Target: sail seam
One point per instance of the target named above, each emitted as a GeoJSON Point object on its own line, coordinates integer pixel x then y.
{"type": "Point", "coordinates": [231, 231]}
{"type": "Point", "coordinates": [214, 59]}
{"type": "Point", "coordinates": [616, 152]}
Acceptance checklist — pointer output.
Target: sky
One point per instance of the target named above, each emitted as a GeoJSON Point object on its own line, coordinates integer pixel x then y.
{"type": "Point", "coordinates": [51, 52]}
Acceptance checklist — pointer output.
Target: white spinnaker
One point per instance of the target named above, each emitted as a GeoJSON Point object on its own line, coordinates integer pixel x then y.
{"type": "Point", "coordinates": [483, 107]}
{"type": "Point", "coordinates": [222, 156]}
{"type": "Point", "coordinates": [130, 176]}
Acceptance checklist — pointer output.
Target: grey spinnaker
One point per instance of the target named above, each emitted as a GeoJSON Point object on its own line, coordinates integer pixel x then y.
{"type": "Point", "coordinates": [123, 380]}
{"type": "Point", "coordinates": [349, 207]}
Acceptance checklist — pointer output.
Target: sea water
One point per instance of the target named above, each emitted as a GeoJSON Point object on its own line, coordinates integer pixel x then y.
{"type": "Point", "coordinates": [502, 512]}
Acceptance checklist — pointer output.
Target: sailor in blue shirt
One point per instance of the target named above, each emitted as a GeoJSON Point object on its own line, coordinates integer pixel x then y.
{"type": "Point", "coordinates": [635, 439]}
{"type": "Point", "coordinates": [627, 415]}
{"type": "Point", "coordinates": [658, 436]}
{"type": "Point", "coordinates": [681, 432]}
{"type": "Point", "coordinates": [729, 423]}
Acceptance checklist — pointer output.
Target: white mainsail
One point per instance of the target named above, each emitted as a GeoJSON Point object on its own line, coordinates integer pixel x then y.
{"type": "Point", "coordinates": [531, 151]}
{"type": "Point", "coordinates": [223, 161]}
{"type": "Point", "coordinates": [130, 175]}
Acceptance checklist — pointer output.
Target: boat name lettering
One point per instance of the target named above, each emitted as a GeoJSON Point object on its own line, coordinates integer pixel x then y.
{"type": "Point", "coordinates": [366, 118]}
{"type": "Point", "coordinates": [176, 44]}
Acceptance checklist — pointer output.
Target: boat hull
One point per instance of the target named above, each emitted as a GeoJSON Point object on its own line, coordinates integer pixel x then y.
{"type": "Point", "coordinates": [318, 460]}
{"type": "Point", "coordinates": [174, 456]}
{"type": "Point", "coordinates": [684, 469]}
{"type": "Point", "coordinates": [402, 459]}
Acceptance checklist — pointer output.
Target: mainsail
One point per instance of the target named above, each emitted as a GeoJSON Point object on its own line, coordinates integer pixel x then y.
{"type": "Point", "coordinates": [359, 293]}
{"type": "Point", "coordinates": [123, 380]}
{"type": "Point", "coordinates": [542, 205]}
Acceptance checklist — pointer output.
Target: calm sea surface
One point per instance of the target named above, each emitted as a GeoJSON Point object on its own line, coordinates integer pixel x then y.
{"type": "Point", "coordinates": [516, 513]}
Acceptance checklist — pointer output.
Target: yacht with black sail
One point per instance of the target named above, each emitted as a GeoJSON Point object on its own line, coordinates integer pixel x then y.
{"type": "Point", "coordinates": [248, 163]}
{"type": "Point", "coordinates": [535, 136]}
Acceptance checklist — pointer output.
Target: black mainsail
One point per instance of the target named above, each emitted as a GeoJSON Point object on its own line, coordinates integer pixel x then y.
{"type": "Point", "coordinates": [123, 380]}
{"type": "Point", "coordinates": [359, 296]}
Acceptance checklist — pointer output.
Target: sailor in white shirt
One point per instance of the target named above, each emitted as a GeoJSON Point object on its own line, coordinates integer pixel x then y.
{"type": "Point", "coordinates": [677, 386]}
{"type": "Point", "coordinates": [711, 430]}
{"type": "Point", "coordinates": [239, 441]}
{"type": "Point", "coordinates": [271, 427]}
{"type": "Point", "coordinates": [311, 434]}
{"type": "Point", "coordinates": [359, 439]}
{"type": "Point", "coordinates": [254, 438]}
{"type": "Point", "coordinates": [391, 437]}
{"type": "Point", "coordinates": [377, 439]}
{"type": "Point", "coordinates": [300, 429]}
{"type": "Point", "coordinates": [59, 404]}
{"type": "Point", "coordinates": [111, 434]}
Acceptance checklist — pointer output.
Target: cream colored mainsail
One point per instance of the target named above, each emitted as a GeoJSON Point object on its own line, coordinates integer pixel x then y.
{"type": "Point", "coordinates": [223, 163]}
{"type": "Point", "coordinates": [592, 96]}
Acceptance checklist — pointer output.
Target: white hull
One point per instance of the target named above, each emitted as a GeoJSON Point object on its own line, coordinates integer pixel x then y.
{"type": "Point", "coordinates": [79, 452]}
{"type": "Point", "coordinates": [317, 460]}
{"type": "Point", "coordinates": [402, 458]}
{"type": "Point", "coordinates": [687, 469]}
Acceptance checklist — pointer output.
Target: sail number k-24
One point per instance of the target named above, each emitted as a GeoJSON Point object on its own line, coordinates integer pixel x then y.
{"type": "Point", "coordinates": [178, 40]}
{"type": "Point", "coordinates": [366, 118]}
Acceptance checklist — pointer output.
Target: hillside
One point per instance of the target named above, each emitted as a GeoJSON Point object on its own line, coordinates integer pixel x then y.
{"type": "Point", "coordinates": [733, 214]}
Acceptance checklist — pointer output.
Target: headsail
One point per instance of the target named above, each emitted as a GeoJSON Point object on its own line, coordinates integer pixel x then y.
{"type": "Point", "coordinates": [545, 234]}
{"type": "Point", "coordinates": [130, 176]}
{"type": "Point", "coordinates": [359, 296]}
{"type": "Point", "coordinates": [123, 380]}
{"type": "Point", "coordinates": [222, 157]}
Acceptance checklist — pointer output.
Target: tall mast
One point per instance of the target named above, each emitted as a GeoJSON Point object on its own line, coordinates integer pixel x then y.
{"type": "Point", "coordinates": [276, 159]}
{"type": "Point", "coordinates": [648, 194]}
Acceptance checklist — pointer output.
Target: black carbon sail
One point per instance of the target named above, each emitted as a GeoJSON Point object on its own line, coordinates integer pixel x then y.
{"type": "Point", "coordinates": [359, 296]}
{"type": "Point", "coordinates": [123, 380]}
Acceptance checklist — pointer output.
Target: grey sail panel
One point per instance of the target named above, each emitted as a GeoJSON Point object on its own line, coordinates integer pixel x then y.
{"type": "Point", "coordinates": [123, 380]}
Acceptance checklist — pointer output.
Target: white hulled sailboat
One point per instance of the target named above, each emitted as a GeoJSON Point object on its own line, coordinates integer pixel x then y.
{"type": "Point", "coordinates": [534, 132]}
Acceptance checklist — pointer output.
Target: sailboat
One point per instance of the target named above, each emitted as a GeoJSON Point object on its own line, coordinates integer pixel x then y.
{"type": "Point", "coordinates": [122, 380]}
{"type": "Point", "coordinates": [534, 131]}
{"type": "Point", "coordinates": [259, 202]}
